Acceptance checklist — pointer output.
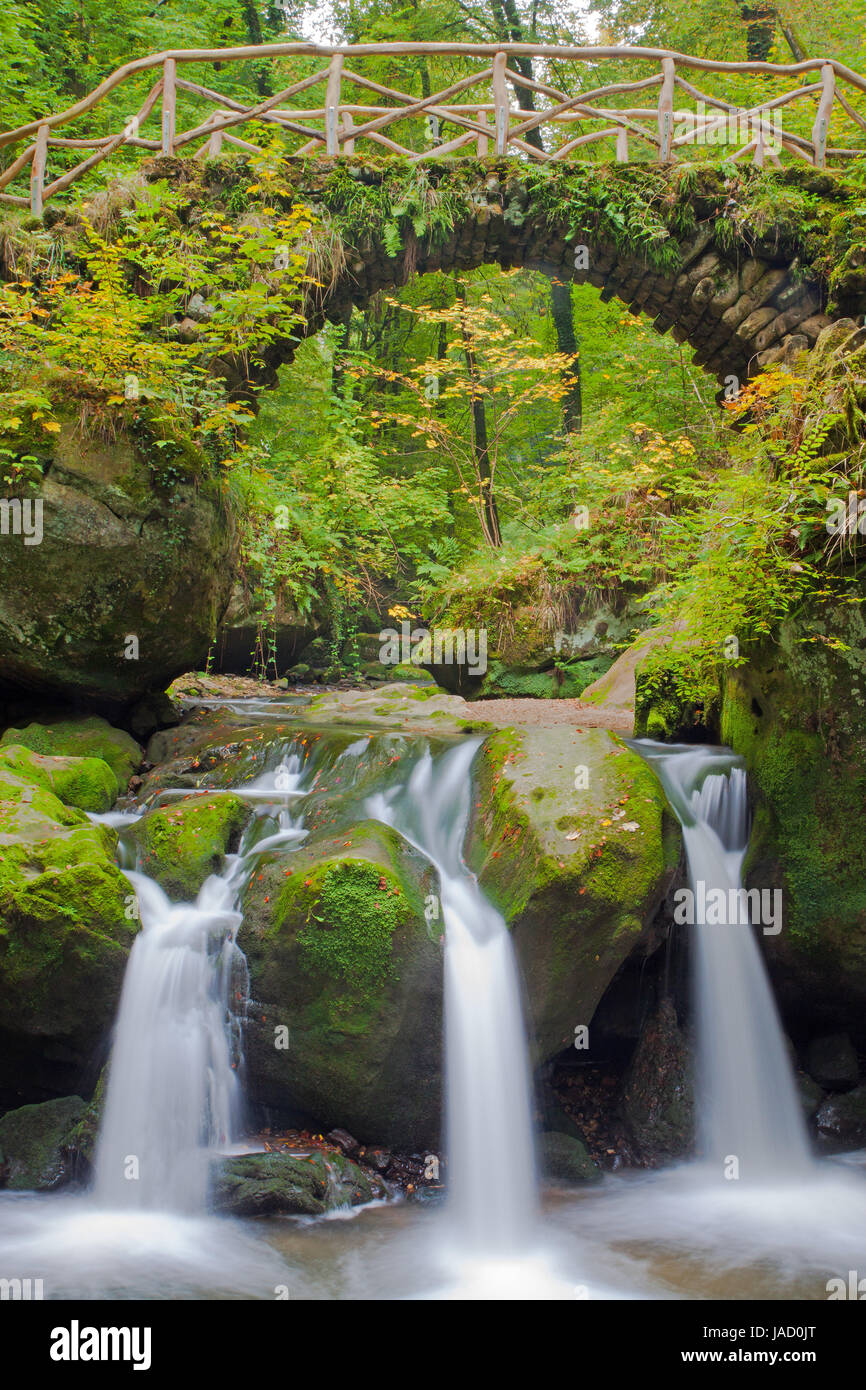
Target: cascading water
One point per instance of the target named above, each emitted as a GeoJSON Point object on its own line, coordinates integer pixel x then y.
{"type": "Point", "coordinates": [491, 1166]}
{"type": "Point", "coordinates": [173, 1091]}
{"type": "Point", "coordinates": [747, 1100]}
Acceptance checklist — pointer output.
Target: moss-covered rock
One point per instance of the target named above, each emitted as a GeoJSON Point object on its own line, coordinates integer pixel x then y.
{"type": "Point", "coordinates": [65, 929]}
{"type": "Point", "coordinates": [565, 1158]}
{"type": "Point", "coordinates": [84, 736]}
{"type": "Point", "coordinates": [280, 1184]}
{"type": "Point", "coordinates": [574, 842]}
{"type": "Point", "coordinates": [182, 843]}
{"type": "Point", "coordinates": [34, 1143]}
{"type": "Point", "coordinates": [87, 783]}
{"type": "Point", "coordinates": [134, 569]}
{"type": "Point", "coordinates": [797, 714]}
{"type": "Point", "coordinates": [347, 982]}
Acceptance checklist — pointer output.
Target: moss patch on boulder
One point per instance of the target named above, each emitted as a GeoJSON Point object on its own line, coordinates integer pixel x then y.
{"type": "Point", "coordinates": [87, 783]}
{"type": "Point", "coordinates": [182, 843]}
{"type": "Point", "coordinates": [280, 1184]}
{"type": "Point", "coordinates": [65, 930]}
{"type": "Point", "coordinates": [573, 840]}
{"type": "Point", "coordinates": [347, 979]}
{"type": "Point", "coordinates": [81, 737]}
{"type": "Point", "coordinates": [566, 1158]}
{"type": "Point", "coordinates": [797, 714]}
{"type": "Point", "coordinates": [34, 1144]}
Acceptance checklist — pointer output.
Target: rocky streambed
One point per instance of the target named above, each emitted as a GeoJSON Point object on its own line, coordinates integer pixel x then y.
{"type": "Point", "coordinates": [570, 837]}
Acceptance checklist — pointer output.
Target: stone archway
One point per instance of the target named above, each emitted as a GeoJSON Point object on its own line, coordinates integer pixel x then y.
{"type": "Point", "coordinates": [740, 307]}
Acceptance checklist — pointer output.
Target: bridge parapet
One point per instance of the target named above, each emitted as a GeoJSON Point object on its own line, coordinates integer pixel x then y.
{"type": "Point", "coordinates": [331, 109]}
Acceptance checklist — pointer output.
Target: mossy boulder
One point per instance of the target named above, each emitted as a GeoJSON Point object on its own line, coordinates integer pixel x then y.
{"type": "Point", "coordinates": [573, 840]}
{"type": "Point", "coordinates": [796, 712]}
{"type": "Point", "coordinates": [34, 1140]}
{"type": "Point", "coordinates": [182, 843]}
{"type": "Point", "coordinates": [87, 783]}
{"type": "Point", "coordinates": [281, 1184]}
{"type": "Point", "coordinates": [560, 1156]}
{"type": "Point", "coordinates": [657, 1099]}
{"type": "Point", "coordinates": [841, 1120]}
{"type": "Point", "coordinates": [134, 569]}
{"type": "Point", "coordinates": [65, 930]}
{"type": "Point", "coordinates": [85, 736]}
{"type": "Point", "coordinates": [346, 1027]}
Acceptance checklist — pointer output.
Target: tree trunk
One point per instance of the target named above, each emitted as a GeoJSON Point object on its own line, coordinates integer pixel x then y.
{"type": "Point", "coordinates": [480, 445]}
{"type": "Point", "coordinates": [563, 319]}
{"type": "Point", "coordinates": [760, 23]}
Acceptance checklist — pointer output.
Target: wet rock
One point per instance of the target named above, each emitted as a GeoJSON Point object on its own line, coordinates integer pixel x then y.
{"type": "Point", "coordinates": [379, 1159]}
{"type": "Point", "coordinates": [832, 1062]}
{"type": "Point", "coordinates": [563, 1157]}
{"type": "Point", "coordinates": [34, 1144]}
{"type": "Point", "coordinates": [183, 842]}
{"type": "Point", "coordinates": [841, 1120]}
{"type": "Point", "coordinates": [344, 1141]}
{"type": "Point", "coordinates": [65, 931]}
{"type": "Point", "coordinates": [810, 1093]}
{"type": "Point", "coordinates": [279, 1184]}
{"type": "Point", "coordinates": [573, 841]}
{"type": "Point", "coordinates": [657, 1100]}
{"type": "Point", "coordinates": [345, 970]}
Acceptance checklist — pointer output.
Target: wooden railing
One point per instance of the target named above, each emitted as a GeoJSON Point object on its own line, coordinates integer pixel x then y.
{"type": "Point", "coordinates": [487, 124]}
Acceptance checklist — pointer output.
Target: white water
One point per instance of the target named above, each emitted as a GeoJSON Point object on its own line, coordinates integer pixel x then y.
{"type": "Point", "coordinates": [747, 1101]}
{"type": "Point", "coordinates": [173, 1093]}
{"type": "Point", "coordinates": [491, 1165]}
{"type": "Point", "coordinates": [678, 1233]}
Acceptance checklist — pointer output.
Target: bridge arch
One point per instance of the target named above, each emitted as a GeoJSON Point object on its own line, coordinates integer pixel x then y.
{"type": "Point", "coordinates": [740, 306]}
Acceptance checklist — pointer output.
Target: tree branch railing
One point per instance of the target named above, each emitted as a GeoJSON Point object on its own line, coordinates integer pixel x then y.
{"type": "Point", "coordinates": [488, 122]}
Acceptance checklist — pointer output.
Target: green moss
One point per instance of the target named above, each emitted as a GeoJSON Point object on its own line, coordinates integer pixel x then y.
{"type": "Point", "coordinates": [87, 783]}
{"type": "Point", "coordinates": [795, 714]}
{"type": "Point", "coordinates": [340, 953]}
{"type": "Point", "coordinates": [352, 922]}
{"type": "Point", "coordinates": [65, 926]}
{"type": "Point", "coordinates": [84, 737]}
{"type": "Point", "coordinates": [579, 871]}
{"type": "Point", "coordinates": [181, 843]}
{"type": "Point", "coordinates": [33, 1143]}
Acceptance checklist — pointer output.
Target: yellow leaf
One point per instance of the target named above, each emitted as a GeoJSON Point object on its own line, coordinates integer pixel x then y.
{"type": "Point", "coordinates": [51, 426]}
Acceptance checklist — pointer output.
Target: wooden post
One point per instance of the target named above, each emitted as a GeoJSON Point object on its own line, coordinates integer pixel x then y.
{"type": "Point", "coordinates": [348, 124]}
{"type": "Point", "coordinates": [622, 145]}
{"type": "Point", "coordinates": [821, 128]}
{"type": "Point", "coordinates": [169, 105]}
{"type": "Point", "coordinates": [760, 143]}
{"type": "Point", "coordinates": [215, 143]}
{"type": "Point", "coordinates": [483, 147]}
{"type": "Point", "coordinates": [37, 172]}
{"type": "Point", "coordinates": [332, 104]}
{"type": "Point", "coordinates": [500, 102]}
{"type": "Point", "coordinates": [666, 110]}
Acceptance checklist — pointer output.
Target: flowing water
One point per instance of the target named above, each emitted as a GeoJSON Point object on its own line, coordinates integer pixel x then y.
{"type": "Point", "coordinates": [174, 1095]}
{"type": "Point", "coordinates": [491, 1166]}
{"type": "Point", "coordinates": [748, 1105]}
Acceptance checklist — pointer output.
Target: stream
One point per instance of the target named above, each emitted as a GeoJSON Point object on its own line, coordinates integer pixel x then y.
{"type": "Point", "coordinates": [786, 1224]}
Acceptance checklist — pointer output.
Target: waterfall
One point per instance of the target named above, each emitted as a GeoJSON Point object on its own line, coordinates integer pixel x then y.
{"type": "Point", "coordinates": [747, 1100]}
{"type": "Point", "coordinates": [491, 1165]}
{"type": "Point", "coordinates": [173, 1093]}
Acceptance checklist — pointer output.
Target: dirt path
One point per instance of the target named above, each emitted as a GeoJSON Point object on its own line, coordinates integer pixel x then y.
{"type": "Point", "coordinates": [541, 713]}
